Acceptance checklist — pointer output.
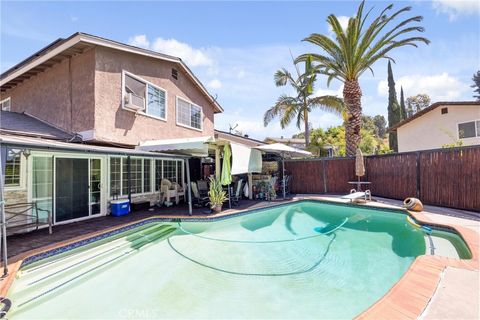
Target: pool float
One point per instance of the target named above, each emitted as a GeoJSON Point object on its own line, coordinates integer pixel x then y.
{"type": "Point", "coordinates": [426, 229]}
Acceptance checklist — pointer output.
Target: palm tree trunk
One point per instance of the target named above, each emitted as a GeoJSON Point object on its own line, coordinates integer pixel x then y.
{"type": "Point", "coordinates": [352, 95]}
{"type": "Point", "coordinates": [307, 129]}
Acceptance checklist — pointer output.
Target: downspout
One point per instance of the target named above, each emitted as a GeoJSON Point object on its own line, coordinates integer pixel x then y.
{"type": "Point", "coordinates": [129, 182]}
{"type": "Point", "coordinates": [70, 92]}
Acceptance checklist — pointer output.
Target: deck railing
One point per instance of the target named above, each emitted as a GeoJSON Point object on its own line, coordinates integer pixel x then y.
{"type": "Point", "coordinates": [442, 177]}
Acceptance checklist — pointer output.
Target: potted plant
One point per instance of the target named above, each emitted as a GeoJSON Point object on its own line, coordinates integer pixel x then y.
{"type": "Point", "coordinates": [217, 195]}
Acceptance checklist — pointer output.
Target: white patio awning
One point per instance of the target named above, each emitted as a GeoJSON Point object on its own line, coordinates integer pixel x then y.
{"type": "Point", "coordinates": [197, 146]}
{"type": "Point", "coordinates": [284, 150]}
{"type": "Point", "coordinates": [245, 159]}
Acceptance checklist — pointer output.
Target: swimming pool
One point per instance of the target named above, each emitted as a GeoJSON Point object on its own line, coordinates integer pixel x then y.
{"type": "Point", "coordinates": [307, 259]}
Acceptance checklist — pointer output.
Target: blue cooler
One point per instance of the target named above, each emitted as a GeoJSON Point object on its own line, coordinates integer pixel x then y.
{"type": "Point", "coordinates": [120, 207]}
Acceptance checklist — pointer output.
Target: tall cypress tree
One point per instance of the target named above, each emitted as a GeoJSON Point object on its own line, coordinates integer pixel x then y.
{"type": "Point", "coordinates": [394, 109]}
{"type": "Point", "coordinates": [402, 105]}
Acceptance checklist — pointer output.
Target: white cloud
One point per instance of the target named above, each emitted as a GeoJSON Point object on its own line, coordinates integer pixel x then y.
{"type": "Point", "coordinates": [193, 57]}
{"type": "Point", "coordinates": [343, 20]}
{"type": "Point", "coordinates": [329, 92]}
{"type": "Point", "coordinates": [440, 87]}
{"type": "Point", "coordinates": [214, 84]}
{"type": "Point", "coordinates": [139, 40]}
{"type": "Point", "coordinates": [454, 8]}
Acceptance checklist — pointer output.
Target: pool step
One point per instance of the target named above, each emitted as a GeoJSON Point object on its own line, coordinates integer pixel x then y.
{"type": "Point", "coordinates": [33, 288]}
{"type": "Point", "coordinates": [82, 253]}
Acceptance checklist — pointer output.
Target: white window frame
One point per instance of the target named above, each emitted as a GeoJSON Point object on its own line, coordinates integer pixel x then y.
{"type": "Point", "coordinates": [191, 104]}
{"type": "Point", "coordinates": [477, 133]}
{"type": "Point", "coordinates": [147, 83]}
{"type": "Point", "coordinates": [152, 175]}
{"type": "Point", "coordinates": [9, 106]}
{"type": "Point", "coordinates": [22, 180]}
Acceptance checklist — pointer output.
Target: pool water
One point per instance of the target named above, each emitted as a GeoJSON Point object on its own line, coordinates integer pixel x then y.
{"type": "Point", "coordinates": [289, 261]}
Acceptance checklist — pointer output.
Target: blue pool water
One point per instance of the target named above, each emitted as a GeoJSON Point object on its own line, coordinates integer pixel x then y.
{"type": "Point", "coordinates": [306, 260]}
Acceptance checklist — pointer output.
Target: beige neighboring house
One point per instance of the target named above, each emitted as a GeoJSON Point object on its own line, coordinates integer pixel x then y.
{"type": "Point", "coordinates": [293, 142]}
{"type": "Point", "coordinates": [439, 125]}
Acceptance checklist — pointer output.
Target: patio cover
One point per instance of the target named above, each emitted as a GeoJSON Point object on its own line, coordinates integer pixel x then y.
{"type": "Point", "coordinates": [197, 146]}
{"type": "Point", "coordinates": [284, 151]}
{"type": "Point", "coordinates": [245, 159]}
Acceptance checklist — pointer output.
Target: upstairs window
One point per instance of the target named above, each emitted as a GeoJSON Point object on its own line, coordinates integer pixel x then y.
{"type": "Point", "coordinates": [188, 114]}
{"type": "Point", "coordinates": [469, 129]}
{"type": "Point", "coordinates": [5, 104]}
{"type": "Point", "coordinates": [143, 97]}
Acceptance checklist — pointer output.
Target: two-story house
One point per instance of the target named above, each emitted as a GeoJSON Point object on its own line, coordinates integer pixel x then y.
{"type": "Point", "coordinates": [76, 114]}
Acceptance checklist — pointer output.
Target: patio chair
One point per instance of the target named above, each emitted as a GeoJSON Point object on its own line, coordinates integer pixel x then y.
{"type": "Point", "coordinates": [238, 193]}
{"type": "Point", "coordinates": [356, 195]}
{"type": "Point", "coordinates": [202, 188]}
{"type": "Point", "coordinates": [198, 200]}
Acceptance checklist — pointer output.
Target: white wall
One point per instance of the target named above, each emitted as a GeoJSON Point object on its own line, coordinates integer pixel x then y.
{"type": "Point", "coordinates": [434, 129]}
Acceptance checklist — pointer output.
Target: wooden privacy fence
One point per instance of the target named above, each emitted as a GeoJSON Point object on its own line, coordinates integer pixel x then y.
{"type": "Point", "coordinates": [443, 177]}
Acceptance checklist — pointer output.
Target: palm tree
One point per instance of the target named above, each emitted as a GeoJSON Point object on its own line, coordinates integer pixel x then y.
{"type": "Point", "coordinates": [287, 107]}
{"type": "Point", "coordinates": [356, 49]}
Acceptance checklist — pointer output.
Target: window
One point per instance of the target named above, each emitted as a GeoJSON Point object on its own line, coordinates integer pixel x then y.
{"type": "Point", "coordinates": [168, 169]}
{"type": "Point", "coordinates": [147, 185]}
{"type": "Point", "coordinates": [136, 182]}
{"type": "Point", "coordinates": [469, 129]}
{"type": "Point", "coordinates": [115, 176]}
{"type": "Point", "coordinates": [42, 185]}
{"type": "Point", "coordinates": [5, 104]}
{"type": "Point", "coordinates": [188, 114]}
{"type": "Point", "coordinates": [136, 91]}
{"type": "Point", "coordinates": [444, 110]}
{"type": "Point", "coordinates": [12, 168]}
{"type": "Point", "coordinates": [175, 74]}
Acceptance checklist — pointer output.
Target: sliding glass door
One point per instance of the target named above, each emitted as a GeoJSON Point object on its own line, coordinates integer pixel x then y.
{"type": "Point", "coordinates": [72, 189]}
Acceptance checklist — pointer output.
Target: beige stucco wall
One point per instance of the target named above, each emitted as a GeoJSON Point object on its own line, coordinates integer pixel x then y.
{"type": "Point", "coordinates": [112, 123]}
{"type": "Point", "coordinates": [434, 129]}
{"type": "Point", "coordinates": [50, 95]}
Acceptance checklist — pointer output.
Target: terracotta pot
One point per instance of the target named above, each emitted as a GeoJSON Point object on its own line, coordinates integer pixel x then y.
{"type": "Point", "coordinates": [217, 208]}
{"type": "Point", "coordinates": [413, 204]}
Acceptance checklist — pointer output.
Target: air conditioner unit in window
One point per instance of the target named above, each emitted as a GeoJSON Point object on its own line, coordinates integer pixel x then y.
{"type": "Point", "coordinates": [134, 102]}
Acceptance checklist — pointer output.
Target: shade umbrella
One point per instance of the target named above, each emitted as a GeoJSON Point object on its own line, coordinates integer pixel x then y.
{"type": "Point", "coordinates": [285, 152]}
{"type": "Point", "coordinates": [359, 165]}
{"type": "Point", "coordinates": [226, 176]}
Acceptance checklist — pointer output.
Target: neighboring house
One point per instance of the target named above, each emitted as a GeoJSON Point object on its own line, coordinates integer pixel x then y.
{"type": "Point", "coordinates": [245, 140]}
{"type": "Point", "coordinates": [293, 142]}
{"type": "Point", "coordinates": [439, 125]}
{"type": "Point", "coordinates": [75, 113]}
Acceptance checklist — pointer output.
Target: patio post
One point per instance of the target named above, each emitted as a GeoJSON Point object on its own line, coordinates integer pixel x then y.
{"type": "Point", "coordinates": [3, 160]}
{"type": "Point", "coordinates": [189, 186]}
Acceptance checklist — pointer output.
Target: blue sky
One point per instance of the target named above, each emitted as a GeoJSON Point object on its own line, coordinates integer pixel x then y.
{"type": "Point", "coordinates": [235, 47]}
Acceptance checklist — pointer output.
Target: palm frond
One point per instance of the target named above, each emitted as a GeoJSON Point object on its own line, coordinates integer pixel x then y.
{"type": "Point", "coordinates": [328, 103]}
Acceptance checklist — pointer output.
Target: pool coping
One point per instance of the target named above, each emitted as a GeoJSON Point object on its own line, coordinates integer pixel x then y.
{"type": "Point", "coordinates": [407, 299]}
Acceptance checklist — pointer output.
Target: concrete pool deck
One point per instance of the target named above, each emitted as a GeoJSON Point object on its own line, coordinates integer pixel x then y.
{"type": "Point", "coordinates": [420, 293]}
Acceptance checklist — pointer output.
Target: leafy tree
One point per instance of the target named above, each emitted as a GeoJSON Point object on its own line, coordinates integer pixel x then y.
{"type": "Point", "coordinates": [476, 85]}
{"type": "Point", "coordinates": [299, 106]}
{"type": "Point", "coordinates": [394, 109]}
{"type": "Point", "coordinates": [355, 50]}
{"type": "Point", "coordinates": [417, 103]}
{"type": "Point", "coordinates": [380, 126]}
{"type": "Point", "coordinates": [368, 124]}
{"type": "Point", "coordinates": [402, 104]}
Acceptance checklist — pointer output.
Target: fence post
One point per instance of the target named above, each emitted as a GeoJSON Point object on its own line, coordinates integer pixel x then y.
{"type": "Point", "coordinates": [418, 174]}
{"type": "Point", "coordinates": [324, 176]}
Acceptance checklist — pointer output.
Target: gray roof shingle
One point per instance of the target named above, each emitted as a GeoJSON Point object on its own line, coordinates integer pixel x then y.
{"type": "Point", "coordinates": [23, 124]}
